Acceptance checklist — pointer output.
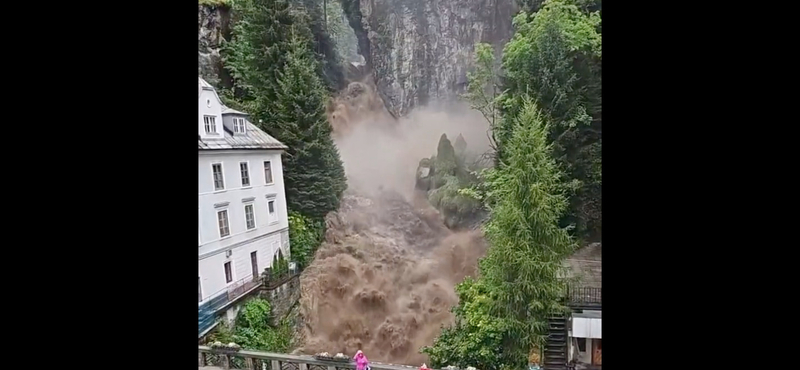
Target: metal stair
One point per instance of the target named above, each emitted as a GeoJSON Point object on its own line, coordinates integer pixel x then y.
{"type": "Point", "coordinates": [555, 351]}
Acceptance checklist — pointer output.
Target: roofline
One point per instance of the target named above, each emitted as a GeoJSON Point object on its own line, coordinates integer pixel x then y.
{"type": "Point", "coordinates": [278, 149]}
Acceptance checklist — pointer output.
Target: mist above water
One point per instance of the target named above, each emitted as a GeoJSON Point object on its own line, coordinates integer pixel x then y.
{"type": "Point", "coordinates": [383, 281]}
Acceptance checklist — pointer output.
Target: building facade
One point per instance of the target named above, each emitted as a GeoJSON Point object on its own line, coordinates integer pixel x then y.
{"type": "Point", "coordinates": [585, 346]}
{"type": "Point", "coordinates": [575, 341]}
{"type": "Point", "coordinates": [242, 216]}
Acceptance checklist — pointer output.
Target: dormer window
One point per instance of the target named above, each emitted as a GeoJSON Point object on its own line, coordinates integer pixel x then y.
{"type": "Point", "coordinates": [238, 125]}
{"type": "Point", "coordinates": [210, 124]}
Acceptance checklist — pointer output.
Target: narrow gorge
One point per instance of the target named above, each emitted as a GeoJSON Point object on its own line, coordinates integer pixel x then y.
{"type": "Point", "coordinates": [383, 280]}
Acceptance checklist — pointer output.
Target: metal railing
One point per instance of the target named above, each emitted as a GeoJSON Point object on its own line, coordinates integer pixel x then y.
{"type": "Point", "coordinates": [206, 312]}
{"type": "Point", "coordinates": [258, 360]}
{"type": "Point", "coordinates": [585, 295]}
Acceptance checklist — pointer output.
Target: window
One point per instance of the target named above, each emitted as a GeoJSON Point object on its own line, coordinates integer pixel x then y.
{"type": "Point", "coordinates": [254, 264]}
{"type": "Point", "coordinates": [228, 272]}
{"type": "Point", "coordinates": [238, 125]}
{"type": "Point", "coordinates": [273, 216]}
{"type": "Point", "coordinates": [199, 291]}
{"type": "Point", "coordinates": [268, 172]}
{"type": "Point", "coordinates": [210, 123]}
{"type": "Point", "coordinates": [582, 344]}
{"type": "Point", "coordinates": [249, 217]}
{"type": "Point", "coordinates": [245, 173]}
{"type": "Point", "coordinates": [219, 181]}
{"type": "Point", "coordinates": [222, 219]}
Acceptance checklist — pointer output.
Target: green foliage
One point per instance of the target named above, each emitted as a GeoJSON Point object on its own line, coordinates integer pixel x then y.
{"type": "Point", "coordinates": [277, 78]}
{"type": "Point", "coordinates": [523, 267]}
{"type": "Point", "coordinates": [341, 32]}
{"type": "Point", "coordinates": [305, 236]}
{"type": "Point", "coordinates": [329, 64]}
{"type": "Point", "coordinates": [503, 315]}
{"type": "Point", "coordinates": [252, 330]}
{"type": "Point", "coordinates": [215, 2]}
{"type": "Point", "coordinates": [449, 199]}
{"type": "Point", "coordinates": [450, 177]}
{"type": "Point", "coordinates": [555, 58]}
{"type": "Point", "coordinates": [256, 51]}
{"type": "Point", "coordinates": [445, 157]}
{"type": "Point", "coordinates": [280, 265]}
{"type": "Point", "coordinates": [315, 179]}
{"type": "Point", "coordinates": [476, 337]}
{"type": "Point", "coordinates": [483, 86]}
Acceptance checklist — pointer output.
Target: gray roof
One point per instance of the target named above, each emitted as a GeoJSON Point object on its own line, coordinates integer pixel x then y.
{"type": "Point", "coordinates": [226, 110]}
{"type": "Point", "coordinates": [253, 138]}
{"type": "Point", "coordinates": [587, 265]}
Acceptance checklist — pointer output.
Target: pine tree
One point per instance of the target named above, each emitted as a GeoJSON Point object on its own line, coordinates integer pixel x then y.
{"type": "Point", "coordinates": [313, 172]}
{"type": "Point", "coordinates": [523, 267]}
{"type": "Point", "coordinates": [257, 51]}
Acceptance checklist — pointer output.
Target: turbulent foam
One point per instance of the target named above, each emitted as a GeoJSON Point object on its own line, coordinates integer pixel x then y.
{"type": "Point", "coordinates": [384, 279]}
{"type": "Point", "coordinates": [384, 287]}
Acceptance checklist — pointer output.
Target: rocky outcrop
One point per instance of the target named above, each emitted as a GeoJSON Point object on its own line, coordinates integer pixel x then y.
{"type": "Point", "coordinates": [418, 51]}
{"type": "Point", "coordinates": [212, 28]}
{"type": "Point", "coordinates": [421, 50]}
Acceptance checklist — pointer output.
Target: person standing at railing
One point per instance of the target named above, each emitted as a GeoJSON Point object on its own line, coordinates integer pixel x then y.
{"type": "Point", "coordinates": [361, 361]}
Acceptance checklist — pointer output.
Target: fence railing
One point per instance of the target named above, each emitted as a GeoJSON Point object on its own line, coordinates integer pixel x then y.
{"type": "Point", "coordinates": [585, 295]}
{"type": "Point", "coordinates": [206, 312]}
{"type": "Point", "coordinates": [206, 315]}
{"type": "Point", "coordinates": [272, 282]}
{"type": "Point", "coordinates": [257, 360]}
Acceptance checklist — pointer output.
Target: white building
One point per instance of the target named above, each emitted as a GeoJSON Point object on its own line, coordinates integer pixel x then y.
{"type": "Point", "coordinates": [243, 220]}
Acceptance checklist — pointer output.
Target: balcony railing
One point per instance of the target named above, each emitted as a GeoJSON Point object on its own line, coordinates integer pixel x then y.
{"type": "Point", "coordinates": [206, 312]}
{"type": "Point", "coordinates": [585, 296]}
{"type": "Point", "coordinates": [206, 315]}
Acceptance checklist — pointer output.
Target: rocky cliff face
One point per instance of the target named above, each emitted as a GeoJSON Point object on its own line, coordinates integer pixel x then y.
{"type": "Point", "coordinates": [420, 50]}
{"type": "Point", "coordinates": [212, 28]}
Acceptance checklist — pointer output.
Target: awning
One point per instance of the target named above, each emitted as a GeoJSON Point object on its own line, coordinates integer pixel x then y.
{"type": "Point", "coordinates": [585, 327]}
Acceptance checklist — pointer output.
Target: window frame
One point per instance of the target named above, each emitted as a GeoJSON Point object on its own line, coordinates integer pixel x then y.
{"type": "Point", "coordinates": [221, 176]}
{"type": "Point", "coordinates": [242, 174]}
{"type": "Point", "coordinates": [228, 268]}
{"type": "Point", "coordinates": [238, 125]}
{"type": "Point", "coordinates": [210, 121]}
{"type": "Point", "coordinates": [253, 212]}
{"type": "Point", "coordinates": [272, 217]}
{"type": "Point", "coordinates": [227, 222]}
{"type": "Point", "coordinates": [271, 179]}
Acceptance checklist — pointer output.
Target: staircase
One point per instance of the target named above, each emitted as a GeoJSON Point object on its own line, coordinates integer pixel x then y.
{"type": "Point", "coordinates": [555, 351]}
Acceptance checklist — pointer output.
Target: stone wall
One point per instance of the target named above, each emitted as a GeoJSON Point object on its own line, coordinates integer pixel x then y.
{"type": "Point", "coordinates": [282, 298]}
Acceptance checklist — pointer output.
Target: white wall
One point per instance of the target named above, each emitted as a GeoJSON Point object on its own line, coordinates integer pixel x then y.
{"type": "Point", "coordinates": [212, 268]}
{"type": "Point", "coordinates": [209, 104]}
{"type": "Point", "coordinates": [266, 237]}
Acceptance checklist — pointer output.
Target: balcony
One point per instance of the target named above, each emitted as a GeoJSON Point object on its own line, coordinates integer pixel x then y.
{"type": "Point", "coordinates": [585, 297]}
{"type": "Point", "coordinates": [224, 298]}
{"type": "Point", "coordinates": [220, 300]}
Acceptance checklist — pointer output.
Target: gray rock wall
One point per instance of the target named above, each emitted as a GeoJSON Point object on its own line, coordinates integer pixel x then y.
{"type": "Point", "coordinates": [421, 50]}
{"type": "Point", "coordinates": [212, 28]}
{"type": "Point", "coordinates": [282, 298]}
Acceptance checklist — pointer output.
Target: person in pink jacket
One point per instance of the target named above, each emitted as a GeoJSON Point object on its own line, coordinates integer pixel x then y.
{"type": "Point", "coordinates": [361, 361]}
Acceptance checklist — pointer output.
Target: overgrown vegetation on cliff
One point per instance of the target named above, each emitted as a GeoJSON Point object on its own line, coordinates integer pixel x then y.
{"type": "Point", "coordinates": [277, 79]}
{"type": "Point", "coordinates": [546, 132]}
{"type": "Point", "coordinates": [452, 170]}
{"type": "Point", "coordinates": [252, 329]}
